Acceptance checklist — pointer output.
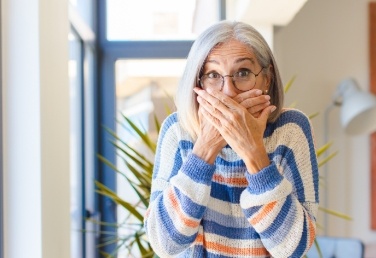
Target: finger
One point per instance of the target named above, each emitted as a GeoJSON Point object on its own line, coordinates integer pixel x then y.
{"type": "Point", "coordinates": [248, 94]}
{"type": "Point", "coordinates": [255, 115]}
{"type": "Point", "coordinates": [251, 102]}
{"type": "Point", "coordinates": [266, 112]}
{"type": "Point", "coordinates": [215, 114]}
{"type": "Point", "coordinates": [258, 108]}
{"type": "Point", "coordinates": [218, 100]}
{"type": "Point", "coordinates": [208, 117]}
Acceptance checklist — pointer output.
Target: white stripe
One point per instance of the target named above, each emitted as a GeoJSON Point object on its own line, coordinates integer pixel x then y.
{"type": "Point", "coordinates": [292, 134]}
{"type": "Point", "coordinates": [197, 192]}
{"type": "Point", "coordinates": [225, 208]}
{"type": "Point", "coordinates": [248, 200]}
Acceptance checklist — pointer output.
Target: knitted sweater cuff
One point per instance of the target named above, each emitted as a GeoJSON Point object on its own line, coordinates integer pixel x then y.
{"type": "Point", "coordinates": [265, 180]}
{"type": "Point", "coordinates": [198, 169]}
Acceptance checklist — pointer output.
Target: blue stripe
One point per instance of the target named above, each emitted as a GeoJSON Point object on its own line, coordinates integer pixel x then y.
{"type": "Point", "coordinates": [185, 145]}
{"type": "Point", "coordinates": [279, 236]}
{"type": "Point", "coordinates": [265, 180]}
{"type": "Point", "coordinates": [154, 195]}
{"type": "Point", "coordinates": [169, 229]}
{"type": "Point", "coordinates": [251, 211]}
{"type": "Point", "coordinates": [230, 164]}
{"type": "Point", "coordinates": [291, 171]}
{"type": "Point", "coordinates": [233, 233]}
{"type": "Point", "coordinates": [198, 170]}
{"type": "Point", "coordinates": [207, 253]}
{"type": "Point", "coordinates": [226, 193]}
{"type": "Point", "coordinates": [226, 220]}
{"type": "Point", "coordinates": [303, 241]}
{"type": "Point", "coordinates": [271, 230]}
{"type": "Point", "coordinates": [191, 208]}
{"type": "Point", "coordinates": [178, 162]}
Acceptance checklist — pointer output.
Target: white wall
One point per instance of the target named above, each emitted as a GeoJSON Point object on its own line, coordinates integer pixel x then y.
{"type": "Point", "coordinates": [325, 43]}
{"type": "Point", "coordinates": [36, 128]}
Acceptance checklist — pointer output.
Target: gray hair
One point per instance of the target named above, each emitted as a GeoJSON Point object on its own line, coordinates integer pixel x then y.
{"type": "Point", "coordinates": [221, 32]}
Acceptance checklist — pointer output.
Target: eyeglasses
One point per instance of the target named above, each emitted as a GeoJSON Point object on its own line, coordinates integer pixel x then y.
{"type": "Point", "coordinates": [243, 80]}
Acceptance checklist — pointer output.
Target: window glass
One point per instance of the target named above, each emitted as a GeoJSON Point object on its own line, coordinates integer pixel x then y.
{"type": "Point", "coordinates": [159, 20]}
{"type": "Point", "coordinates": [85, 10]}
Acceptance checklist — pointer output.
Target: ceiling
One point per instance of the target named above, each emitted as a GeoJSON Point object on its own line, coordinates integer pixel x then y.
{"type": "Point", "coordinates": [264, 12]}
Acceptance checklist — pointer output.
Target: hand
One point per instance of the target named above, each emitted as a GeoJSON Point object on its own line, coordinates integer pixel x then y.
{"type": "Point", "coordinates": [253, 101]}
{"type": "Point", "coordinates": [241, 130]}
{"type": "Point", "coordinates": [209, 142]}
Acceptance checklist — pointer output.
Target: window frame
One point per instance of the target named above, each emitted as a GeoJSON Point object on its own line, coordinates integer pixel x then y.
{"type": "Point", "coordinates": [1, 150]}
{"type": "Point", "coordinates": [86, 35]}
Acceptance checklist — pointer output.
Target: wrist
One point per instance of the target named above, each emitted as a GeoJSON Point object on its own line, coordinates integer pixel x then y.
{"type": "Point", "coordinates": [205, 151]}
{"type": "Point", "coordinates": [256, 161]}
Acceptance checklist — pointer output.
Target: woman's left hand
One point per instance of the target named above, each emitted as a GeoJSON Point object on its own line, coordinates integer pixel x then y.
{"type": "Point", "coordinates": [241, 130]}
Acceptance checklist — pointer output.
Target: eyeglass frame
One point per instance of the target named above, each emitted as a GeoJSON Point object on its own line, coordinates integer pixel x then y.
{"type": "Point", "coordinates": [231, 76]}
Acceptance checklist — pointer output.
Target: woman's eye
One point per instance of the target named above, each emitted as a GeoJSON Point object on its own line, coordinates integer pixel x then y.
{"type": "Point", "coordinates": [214, 75]}
{"type": "Point", "coordinates": [242, 73]}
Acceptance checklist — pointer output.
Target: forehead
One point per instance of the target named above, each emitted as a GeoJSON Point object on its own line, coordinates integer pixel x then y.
{"type": "Point", "coordinates": [231, 49]}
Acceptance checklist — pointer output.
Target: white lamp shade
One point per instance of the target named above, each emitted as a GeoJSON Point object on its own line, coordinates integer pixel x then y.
{"type": "Point", "coordinates": [358, 112]}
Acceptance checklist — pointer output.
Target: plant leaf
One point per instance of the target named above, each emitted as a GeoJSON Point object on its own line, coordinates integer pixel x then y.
{"type": "Point", "coordinates": [323, 148]}
{"type": "Point", "coordinates": [327, 158]}
{"type": "Point", "coordinates": [111, 194]}
{"type": "Point", "coordinates": [289, 83]}
{"type": "Point", "coordinates": [335, 213]}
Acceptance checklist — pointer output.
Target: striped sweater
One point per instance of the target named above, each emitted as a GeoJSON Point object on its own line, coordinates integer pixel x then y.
{"type": "Point", "coordinates": [202, 210]}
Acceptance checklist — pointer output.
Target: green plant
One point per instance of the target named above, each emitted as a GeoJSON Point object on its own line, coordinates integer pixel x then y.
{"type": "Point", "coordinates": [139, 176]}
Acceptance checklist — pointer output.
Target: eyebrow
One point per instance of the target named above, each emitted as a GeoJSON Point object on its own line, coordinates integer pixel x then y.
{"type": "Point", "coordinates": [239, 60]}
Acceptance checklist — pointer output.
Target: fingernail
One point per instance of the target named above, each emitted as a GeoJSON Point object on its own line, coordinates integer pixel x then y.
{"type": "Point", "coordinates": [273, 109]}
{"type": "Point", "coordinates": [267, 97]}
{"type": "Point", "coordinates": [258, 92]}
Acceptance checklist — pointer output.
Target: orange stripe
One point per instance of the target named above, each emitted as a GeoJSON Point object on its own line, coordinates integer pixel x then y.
{"type": "Point", "coordinates": [261, 214]}
{"type": "Point", "coordinates": [220, 248]}
{"type": "Point", "coordinates": [199, 239]}
{"type": "Point", "coordinates": [175, 204]}
{"type": "Point", "coordinates": [241, 181]}
{"type": "Point", "coordinates": [312, 232]}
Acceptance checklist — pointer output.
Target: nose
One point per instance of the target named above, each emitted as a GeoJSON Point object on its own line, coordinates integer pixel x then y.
{"type": "Point", "coordinates": [228, 87]}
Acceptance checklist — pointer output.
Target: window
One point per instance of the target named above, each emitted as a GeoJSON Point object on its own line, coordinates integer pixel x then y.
{"type": "Point", "coordinates": [159, 20]}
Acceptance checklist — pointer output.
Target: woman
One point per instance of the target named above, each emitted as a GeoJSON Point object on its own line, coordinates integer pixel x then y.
{"type": "Point", "coordinates": [235, 175]}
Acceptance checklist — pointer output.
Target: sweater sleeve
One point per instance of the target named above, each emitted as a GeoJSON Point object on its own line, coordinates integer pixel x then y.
{"type": "Point", "coordinates": [179, 195]}
{"type": "Point", "coordinates": [281, 200]}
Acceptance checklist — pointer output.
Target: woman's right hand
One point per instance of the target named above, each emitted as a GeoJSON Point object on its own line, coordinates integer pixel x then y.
{"type": "Point", "coordinates": [209, 142]}
{"type": "Point", "coordinates": [253, 101]}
